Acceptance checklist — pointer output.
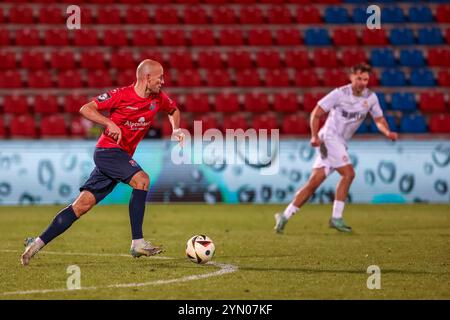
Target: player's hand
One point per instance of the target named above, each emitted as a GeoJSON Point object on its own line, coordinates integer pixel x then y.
{"type": "Point", "coordinates": [392, 135]}
{"type": "Point", "coordinates": [315, 141]}
{"type": "Point", "coordinates": [179, 135]}
{"type": "Point", "coordinates": [113, 131]}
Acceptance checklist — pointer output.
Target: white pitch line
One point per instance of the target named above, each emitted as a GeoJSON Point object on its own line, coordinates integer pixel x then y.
{"type": "Point", "coordinates": [224, 269]}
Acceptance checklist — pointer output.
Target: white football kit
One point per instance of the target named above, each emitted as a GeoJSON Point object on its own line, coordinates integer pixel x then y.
{"type": "Point", "coordinates": [346, 113]}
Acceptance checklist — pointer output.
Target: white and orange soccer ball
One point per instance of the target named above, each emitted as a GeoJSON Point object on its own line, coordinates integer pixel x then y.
{"type": "Point", "coordinates": [200, 249]}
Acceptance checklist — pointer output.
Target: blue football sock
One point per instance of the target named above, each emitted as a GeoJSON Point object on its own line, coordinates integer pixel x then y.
{"type": "Point", "coordinates": [137, 209]}
{"type": "Point", "coordinates": [60, 223]}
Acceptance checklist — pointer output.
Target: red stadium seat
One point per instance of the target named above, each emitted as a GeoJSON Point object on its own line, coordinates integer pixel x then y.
{"type": "Point", "coordinates": [335, 78]}
{"type": "Point", "coordinates": [251, 15]}
{"type": "Point", "coordinates": [2, 19]}
{"type": "Point", "coordinates": [86, 37]}
{"type": "Point", "coordinates": [325, 58]}
{"type": "Point", "coordinates": [40, 79]}
{"type": "Point", "coordinates": [123, 59]}
{"type": "Point", "coordinates": [45, 104]}
{"type": "Point", "coordinates": [443, 13]}
{"type": "Point", "coordinates": [27, 37]}
{"type": "Point", "coordinates": [439, 57]}
{"type": "Point", "coordinates": [77, 127]}
{"type": "Point", "coordinates": [7, 60]}
{"type": "Point", "coordinates": [310, 100]}
{"type": "Point", "coordinates": [248, 78]}
{"type": "Point", "coordinates": [197, 102]}
{"type": "Point", "coordinates": [4, 37]}
{"type": "Point", "coordinates": [166, 15]}
{"type": "Point", "coordinates": [231, 37]}
{"type": "Point", "coordinates": [375, 37]}
{"type": "Point", "coordinates": [239, 60]}
{"type": "Point", "coordinates": [144, 38]}
{"type": "Point", "coordinates": [234, 122]}
{"type": "Point", "coordinates": [23, 126]}
{"type": "Point", "coordinates": [73, 103]}
{"type": "Point", "coordinates": [227, 102]}
{"type": "Point", "coordinates": [298, 59]}
{"type": "Point", "coordinates": [115, 38]}
{"type": "Point", "coordinates": [137, 15]}
{"type": "Point", "coordinates": [86, 15]}
{"type": "Point", "coordinates": [439, 123]}
{"type": "Point", "coordinates": [21, 15]}
{"type": "Point", "coordinates": [93, 59]}
{"type": "Point", "coordinates": [279, 15]}
{"type": "Point", "coordinates": [64, 60]}
{"type": "Point", "coordinates": [202, 37]}
{"type": "Point", "coordinates": [432, 101]}
{"type": "Point", "coordinates": [353, 56]}
{"type": "Point", "coordinates": [223, 15]}
{"type": "Point", "coordinates": [285, 102]}
{"type": "Point", "coordinates": [99, 79]}
{"type": "Point", "coordinates": [288, 37]}
{"type": "Point", "coordinates": [447, 36]}
{"type": "Point", "coordinates": [276, 78]}
{"type": "Point", "coordinates": [53, 126]}
{"type": "Point", "coordinates": [3, 130]}
{"type": "Point", "coordinates": [108, 15]}
{"type": "Point", "coordinates": [309, 15]}
{"type": "Point", "coordinates": [256, 102]}
{"type": "Point", "coordinates": [260, 37]}
{"type": "Point", "coordinates": [51, 15]}
{"type": "Point", "coordinates": [268, 59]}
{"type": "Point", "coordinates": [374, 80]}
{"type": "Point", "coordinates": [265, 122]}
{"type": "Point", "coordinates": [210, 60]}
{"type": "Point", "coordinates": [208, 121]}
{"type": "Point", "coordinates": [127, 77]}
{"type": "Point", "coordinates": [173, 37]}
{"type": "Point", "coordinates": [189, 78]}
{"type": "Point", "coordinates": [218, 78]}
{"type": "Point", "coordinates": [345, 37]}
{"type": "Point", "coordinates": [181, 60]}
{"type": "Point", "coordinates": [11, 79]}
{"type": "Point", "coordinates": [56, 37]}
{"type": "Point", "coordinates": [306, 78]}
{"type": "Point", "coordinates": [195, 15]}
{"type": "Point", "coordinates": [295, 124]}
{"type": "Point", "coordinates": [444, 78]}
{"type": "Point", "coordinates": [70, 79]}
{"type": "Point", "coordinates": [33, 60]}
{"type": "Point", "coordinates": [15, 104]}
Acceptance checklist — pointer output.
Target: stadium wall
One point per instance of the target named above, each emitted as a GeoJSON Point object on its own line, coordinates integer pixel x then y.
{"type": "Point", "coordinates": [50, 172]}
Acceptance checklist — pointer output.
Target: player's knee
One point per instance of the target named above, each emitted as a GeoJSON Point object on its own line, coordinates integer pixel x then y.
{"type": "Point", "coordinates": [350, 175]}
{"type": "Point", "coordinates": [141, 181]}
{"type": "Point", "coordinates": [83, 204]}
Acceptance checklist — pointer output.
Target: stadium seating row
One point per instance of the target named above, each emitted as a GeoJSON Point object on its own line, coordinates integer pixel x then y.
{"type": "Point", "coordinates": [406, 102]}
{"type": "Point", "coordinates": [197, 14]}
{"type": "Point", "coordinates": [26, 126]}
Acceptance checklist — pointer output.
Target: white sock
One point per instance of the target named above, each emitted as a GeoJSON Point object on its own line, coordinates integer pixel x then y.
{"type": "Point", "coordinates": [289, 211]}
{"type": "Point", "coordinates": [39, 243]}
{"type": "Point", "coordinates": [338, 208]}
{"type": "Point", "coordinates": [136, 242]}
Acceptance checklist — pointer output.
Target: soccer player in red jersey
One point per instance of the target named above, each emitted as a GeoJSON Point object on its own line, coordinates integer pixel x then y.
{"type": "Point", "coordinates": [132, 110]}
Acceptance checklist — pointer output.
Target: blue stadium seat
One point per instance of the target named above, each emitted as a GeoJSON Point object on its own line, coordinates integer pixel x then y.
{"type": "Point", "coordinates": [336, 15]}
{"type": "Point", "coordinates": [393, 78]}
{"type": "Point", "coordinates": [422, 78]}
{"type": "Point", "coordinates": [413, 123]}
{"type": "Point", "coordinates": [391, 123]}
{"type": "Point", "coordinates": [404, 101]}
{"type": "Point", "coordinates": [317, 37]}
{"type": "Point", "coordinates": [430, 36]}
{"type": "Point", "coordinates": [363, 128]}
{"type": "Point", "coordinates": [359, 15]}
{"type": "Point", "coordinates": [420, 14]}
{"type": "Point", "coordinates": [382, 100]}
{"type": "Point", "coordinates": [401, 36]}
{"type": "Point", "coordinates": [392, 15]}
{"type": "Point", "coordinates": [382, 58]}
{"type": "Point", "coordinates": [412, 58]}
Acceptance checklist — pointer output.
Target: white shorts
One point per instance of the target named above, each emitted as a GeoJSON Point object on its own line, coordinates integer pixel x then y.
{"type": "Point", "coordinates": [331, 154]}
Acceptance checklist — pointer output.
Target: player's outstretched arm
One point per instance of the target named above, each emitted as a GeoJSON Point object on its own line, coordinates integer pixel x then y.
{"type": "Point", "coordinates": [174, 119]}
{"type": "Point", "coordinates": [314, 124]}
{"type": "Point", "coordinates": [383, 127]}
{"type": "Point", "coordinates": [90, 112]}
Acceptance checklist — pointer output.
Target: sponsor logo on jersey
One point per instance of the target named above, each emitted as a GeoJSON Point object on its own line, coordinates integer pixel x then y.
{"type": "Point", "coordinates": [103, 97]}
{"type": "Point", "coordinates": [141, 124]}
{"type": "Point", "coordinates": [345, 158]}
{"type": "Point", "coordinates": [133, 163]}
{"type": "Point", "coordinates": [152, 106]}
{"type": "Point", "coordinates": [365, 104]}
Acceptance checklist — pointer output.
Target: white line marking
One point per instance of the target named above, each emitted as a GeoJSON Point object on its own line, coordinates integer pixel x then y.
{"type": "Point", "coordinates": [224, 269]}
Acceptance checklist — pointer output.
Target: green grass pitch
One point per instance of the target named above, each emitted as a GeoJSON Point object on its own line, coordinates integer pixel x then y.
{"type": "Point", "coordinates": [409, 243]}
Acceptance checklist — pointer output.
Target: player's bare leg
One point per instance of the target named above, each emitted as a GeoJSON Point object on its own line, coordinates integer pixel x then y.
{"type": "Point", "coordinates": [63, 220]}
{"type": "Point", "coordinates": [139, 247]}
{"type": "Point", "coordinates": [347, 175]}
{"type": "Point", "coordinates": [318, 175]}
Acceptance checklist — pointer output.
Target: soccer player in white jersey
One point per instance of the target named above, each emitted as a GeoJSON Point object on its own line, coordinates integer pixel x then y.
{"type": "Point", "coordinates": [347, 107]}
